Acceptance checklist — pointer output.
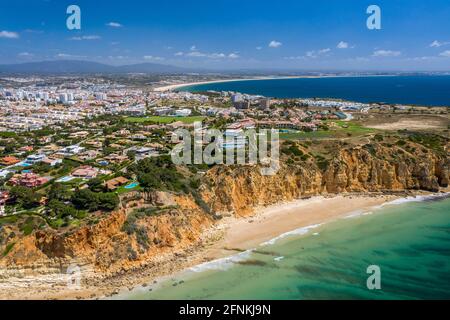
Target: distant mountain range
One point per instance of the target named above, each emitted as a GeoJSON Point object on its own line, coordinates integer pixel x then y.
{"type": "Point", "coordinates": [77, 66]}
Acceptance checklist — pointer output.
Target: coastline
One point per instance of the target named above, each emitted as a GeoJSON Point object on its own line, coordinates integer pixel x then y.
{"type": "Point", "coordinates": [229, 237]}
{"type": "Point", "coordinates": [171, 87]}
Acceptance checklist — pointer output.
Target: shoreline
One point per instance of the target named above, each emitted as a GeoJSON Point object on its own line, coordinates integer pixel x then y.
{"type": "Point", "coordinates": [242, 236]}
{"type": "Point", "coordinates": [227, 238]}
{"type": "Point", "coordinates": [171, 87]}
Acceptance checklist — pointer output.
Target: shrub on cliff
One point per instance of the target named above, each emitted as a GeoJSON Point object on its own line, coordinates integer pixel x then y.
{"type": "Point", "coordinates": [87, 200]}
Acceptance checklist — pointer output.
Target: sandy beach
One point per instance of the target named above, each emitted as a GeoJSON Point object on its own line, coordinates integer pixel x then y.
{"type": "Point", "coordinates": [271, 222]}
{"type": "Point", "coordinates": [229, 236]}
{"type": "Point", "coordinates": [172, 87]}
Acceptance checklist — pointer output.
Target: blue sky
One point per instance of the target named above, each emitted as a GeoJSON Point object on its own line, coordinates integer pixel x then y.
{"type": "Point", "coordinates": [231, 34]}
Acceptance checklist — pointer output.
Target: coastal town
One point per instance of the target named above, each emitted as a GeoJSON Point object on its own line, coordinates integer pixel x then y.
{"type": "Point", "coordinates": [224, 159]}
{"type": "Point", "coordinates": [85, 135]}
{"type": "Point", "coordinates": [78, 156]}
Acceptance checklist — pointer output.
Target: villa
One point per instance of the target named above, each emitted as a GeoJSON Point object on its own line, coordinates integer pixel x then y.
{"type": "Point", "coordinates": [115, 158]}
{"type": "Point", "coordinates": [34, 158]}
{"type": "Point", "coordinates": [85, 172]}
{"type": "Point", "coordinates": [29, 180]}
{"type": "Point", "coordinates": [52, 161]}
{"type": "Point", "coordinates": [9, 161]}
{"type": "Point", "coordinates": [116, 182]}
{"type": "Point", "coordinates": [71, 150]}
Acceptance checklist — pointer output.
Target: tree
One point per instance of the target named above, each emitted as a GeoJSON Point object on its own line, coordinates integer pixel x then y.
{"type": "Point", "coordinates": [131, 155]}
{"type": "Point", "coordinates": [149, 181]}
{"type": "Point", "coordinates": [96, 185]}
{"type": "Point", "coordinates": [25, 197]}
{"type": "Point", "coordinates": [59, 191]}
{"type": "Point", "coordinates": [108, 201]}
{"type": "Point", "coordinates": [87, 200]}
{"type": "Point", "coordinates": [62, 210]}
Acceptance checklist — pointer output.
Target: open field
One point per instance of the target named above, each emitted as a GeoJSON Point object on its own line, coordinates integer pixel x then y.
{"type": "Point", "coordinates": [338, 129]}
{"type": "Point", "coordinates": [163, 120]}
{"type": "Point", "coordinates": [405, 121]}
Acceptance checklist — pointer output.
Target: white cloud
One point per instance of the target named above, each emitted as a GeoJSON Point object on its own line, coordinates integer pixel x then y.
{"type": "Point", "coordinates": [275, 44]}
{"type": "Point", "coordinates": [214, 55]}
{"type": "Point", "coordinates": [153, 58]}
{"type": "Point", "coordinates": [437, 44]}
{"type": "Point", "coordinates": [114, 25]}
{"type": "Point", "coordinates": [196, 54]}
{"type": "Point", "coordinates": [193, 48]}
{"type": "Point", "coordinates": [179, 54]}
{"type": "Point", "coordinates": [258, 48]}
{"type": "Point", "coordinates": [68, 56]}
{"type": "Point", "coordinates": [25, 55]}
{"type": "Point", "coordinates": [316, 53]}
{"type": "Point", "coordinates": [445, 54]}
{"type": "Point", "coordinates": [93, 37]}
{"type": "Point", "coordinates": [386, 53]}
{"type": "Point", "coordinates": [342, 45]}
{"type": "Point", "coordinates": [295, 58]}
{"type": "Point", "coordinates": [9, 34]}
{"type": "Point", "coordinates": [118, 57]}
{"type": "Point", "coordinates": [217, 55]}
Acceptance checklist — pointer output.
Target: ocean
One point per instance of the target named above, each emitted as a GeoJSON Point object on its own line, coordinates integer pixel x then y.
{"type": "Point", "coordinates": [417, 90]}
{"type": "Point", "coordinates": [408, 239]}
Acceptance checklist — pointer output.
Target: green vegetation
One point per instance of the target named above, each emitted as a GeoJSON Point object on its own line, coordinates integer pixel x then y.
{"type": "Point", "coordinates": [26, 198]}
{"type": "Point", "coordinates": [164, 120]}
{"type": "Point", "coordinates": [88, 200]}
{"type": "Point", "coordinates": [429, 140]}
{"type": "Point", "coordinates": [157, 174]}
{"type": "Point", "coordinates": [342, 129]}
{"type": "Point", "coordinates": [8, 248]}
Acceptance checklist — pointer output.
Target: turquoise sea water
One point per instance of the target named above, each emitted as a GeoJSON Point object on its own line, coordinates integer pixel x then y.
{"type": "Point", "coordinates": [410, 242]}
{"type": "Point", "coordinates": [419, 90]}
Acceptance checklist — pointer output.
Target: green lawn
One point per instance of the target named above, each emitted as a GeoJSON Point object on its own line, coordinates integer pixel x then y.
{"type": "Point", "coordinates": [163, 120]}
{"type": "Point", "coordinates": [122, 189]}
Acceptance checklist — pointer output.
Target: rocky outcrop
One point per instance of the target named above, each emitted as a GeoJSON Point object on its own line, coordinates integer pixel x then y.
{"type": "Point", "coordinates": [369, 168]}
{"type": "Point", "coordinates": [124, 240]}
{"type": "Point", "coordinates": [107, 246]}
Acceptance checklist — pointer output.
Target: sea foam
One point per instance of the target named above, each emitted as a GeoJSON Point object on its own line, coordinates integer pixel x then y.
{"type": "Point", "coordinates": [296, 232]}
{"type": "Point", "coordinates": [222, 263]}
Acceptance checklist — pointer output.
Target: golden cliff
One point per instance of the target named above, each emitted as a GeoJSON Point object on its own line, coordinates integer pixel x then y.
{"type": "Point", "coordinates": [124, 239]}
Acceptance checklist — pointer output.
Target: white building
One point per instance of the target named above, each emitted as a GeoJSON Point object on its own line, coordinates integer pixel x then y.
{"type": "Point", "coordinates": [183, 112]}
{"type": "Point", "coordinates": [63, 98]}
{"type": "Point", "coordinates": [35, 158]}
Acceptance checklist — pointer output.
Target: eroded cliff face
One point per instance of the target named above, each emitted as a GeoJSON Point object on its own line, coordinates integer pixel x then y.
{"type": "Point", "coordinates": [107, 246]}
{"type": "Point", "coordinates": [370, 168]}
{"type": "Point", "coordinates": [119, 241]}
{"type": "Point", "coordinates": [379, 168]}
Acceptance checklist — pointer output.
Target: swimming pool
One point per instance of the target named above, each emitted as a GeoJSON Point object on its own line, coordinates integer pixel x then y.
{"type": "Point", "coordinates": [24, 164]}
{"type": "Point", "coordinates": [132, 185]}
{"type": "Point", "coordinates": [65, 179]}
